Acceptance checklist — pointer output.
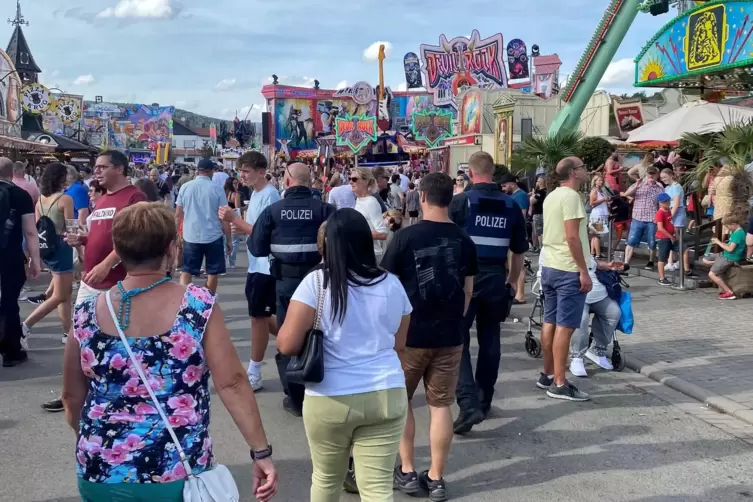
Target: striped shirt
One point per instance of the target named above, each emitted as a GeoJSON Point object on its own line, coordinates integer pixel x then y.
{"type": "Point", "coordinates": [645, 204]}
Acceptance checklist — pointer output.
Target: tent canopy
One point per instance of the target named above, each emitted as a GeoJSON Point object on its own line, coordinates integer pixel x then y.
{"type": "Point", "coordinates": [699, 117]}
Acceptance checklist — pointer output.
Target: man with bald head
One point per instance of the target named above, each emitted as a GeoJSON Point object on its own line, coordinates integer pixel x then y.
{"type": "Point", "coordinates": [286, 231]}
{"type": "Point", "coordinates": [565, 280]}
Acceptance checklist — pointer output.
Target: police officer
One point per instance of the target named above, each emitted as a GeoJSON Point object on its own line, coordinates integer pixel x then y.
{"type": "Point", "coordinates": [286, 231]}
{"type": "Point", "coordinates": [496, 224]}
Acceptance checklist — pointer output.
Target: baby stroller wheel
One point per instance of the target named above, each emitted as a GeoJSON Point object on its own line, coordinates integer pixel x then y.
{"type": "Point", "coordinates": [618, 360]}
{"type": "Point", "coordinates": [533, 346]}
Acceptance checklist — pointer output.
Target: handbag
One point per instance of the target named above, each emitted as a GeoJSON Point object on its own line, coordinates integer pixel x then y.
{"type": "Point", "coordinates": [308, 366]}
{"type": "Point", "coordinates": [212, 485]}
{"type": "Point", "coordinates": [626, 310]}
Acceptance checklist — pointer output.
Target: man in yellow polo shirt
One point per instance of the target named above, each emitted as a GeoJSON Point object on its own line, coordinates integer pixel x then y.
{"type": "Point", "coordinates": [564, 276]}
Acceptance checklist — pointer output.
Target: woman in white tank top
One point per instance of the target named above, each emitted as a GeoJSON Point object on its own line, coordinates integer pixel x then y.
{"type": "Point", "coordinates": [599, 218]}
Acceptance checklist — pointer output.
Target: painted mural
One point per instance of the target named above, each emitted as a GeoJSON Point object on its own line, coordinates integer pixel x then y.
{"type": "Point", "coordinates": [709, 38]}
{"type": "Point", "coordinates": [137, 127]}
{"type": "Point", "coordinates": [470, 113]}
{"type": "Point", "coordinates": [10, 102]}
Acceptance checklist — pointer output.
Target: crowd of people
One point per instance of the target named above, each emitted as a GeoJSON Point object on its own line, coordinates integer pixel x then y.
{"type": "Point", "coordinates": [393, 267]}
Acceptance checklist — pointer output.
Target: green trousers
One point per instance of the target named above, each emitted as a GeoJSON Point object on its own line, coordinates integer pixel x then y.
{"type": "Point", "coordinates": [371, 424]}
{"type": "Point", "coordinates": [130, 492]}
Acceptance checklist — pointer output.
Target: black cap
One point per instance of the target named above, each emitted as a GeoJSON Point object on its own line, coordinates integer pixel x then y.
{"type": "Point", "coordinates": [206, 164]}
{"type": "Point", "coordinates": [508, 178]}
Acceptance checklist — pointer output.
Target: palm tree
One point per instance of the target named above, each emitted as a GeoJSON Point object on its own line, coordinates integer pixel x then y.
{"type": "Point", "coordinates": [731, 148]}
{"type": "Point", "coordinates": [551, 149]}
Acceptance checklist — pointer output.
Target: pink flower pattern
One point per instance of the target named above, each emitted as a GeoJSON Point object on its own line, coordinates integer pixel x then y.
{"type": "Point", "coordinates": [123, 439]}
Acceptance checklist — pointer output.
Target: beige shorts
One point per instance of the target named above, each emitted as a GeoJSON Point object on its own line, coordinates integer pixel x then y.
{"type": "Point", "coordinates": [85, 292]}
{"type": "Point", "coordinates": [439, 369]}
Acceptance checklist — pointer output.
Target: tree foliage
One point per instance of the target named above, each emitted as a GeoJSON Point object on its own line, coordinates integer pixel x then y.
{"type": "Point", "coordinates": [594, 151]}
{"type": "Point", "coordinates": [551, 149]}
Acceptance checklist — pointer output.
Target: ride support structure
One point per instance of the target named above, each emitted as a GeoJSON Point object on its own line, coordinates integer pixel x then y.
{"type": "Point", "coordinates": [610, 32]}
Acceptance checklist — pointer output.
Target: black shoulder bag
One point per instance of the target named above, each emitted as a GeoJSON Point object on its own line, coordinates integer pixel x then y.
{"type": "Point", "coordinates": [308, 366]}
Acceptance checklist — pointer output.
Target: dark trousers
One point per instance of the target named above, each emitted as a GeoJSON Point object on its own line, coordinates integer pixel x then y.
{"type": "Point", "coordinates": [12, 279]}
{"type": "Point", "coordinates": [475, 393]}
{"type": "Point", "coordinates": [286, 286]}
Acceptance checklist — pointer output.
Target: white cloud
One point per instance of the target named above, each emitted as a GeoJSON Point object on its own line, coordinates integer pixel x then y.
{"type": "Point", "coordinates": [225, 84]}
{"type": "Point", "coordinates": [341, 85]}
{"type": "Point", "coordinates": [55, 73]}
{"type": "Point", "coordinates": [620, 74]}
{"type": "Point", "coordinates": [371, 53]}
{"type": "Point", "coordinates": [139, 9]}
{"type": "Point", "coordinates": [84, 80]}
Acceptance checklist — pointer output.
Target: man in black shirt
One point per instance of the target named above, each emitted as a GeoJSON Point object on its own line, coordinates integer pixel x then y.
{"type": "Point", "coordinates": [436, 261]}
{"type": "Point", "coordinates": [537, 211]}
{"type": "Point", "coordinates": [16, 223]}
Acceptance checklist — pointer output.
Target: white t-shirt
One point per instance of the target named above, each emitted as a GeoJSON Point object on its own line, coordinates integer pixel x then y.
{"type": "Point", "coordinates": [259, 201]}
{"type": "Point", "coordinates": [371, 210]}
{"type": "Point", "coordinates": [359, 354]}
{"type": "Point", "coordinates": [598, 290]}
{"type": "Point", "coordinates": [342, 197]}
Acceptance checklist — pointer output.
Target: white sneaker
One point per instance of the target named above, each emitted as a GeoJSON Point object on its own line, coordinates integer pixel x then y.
{"type": "Point", "coordinates": [64, 338]}
{"type": "Point", "coordinates": [600, 361]}
{"type": "Point", "coordinates": [577, 368]}
{"type": "Point", "coordinates": [256, 382]}
{"type": "Point", "coordinates": [671, 266]}
{"type": "Point", "coordinates": [25, 334]}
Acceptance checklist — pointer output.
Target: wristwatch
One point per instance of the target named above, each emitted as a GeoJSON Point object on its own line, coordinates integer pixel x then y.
{"type": "Point", "coordinates": [261, 454]}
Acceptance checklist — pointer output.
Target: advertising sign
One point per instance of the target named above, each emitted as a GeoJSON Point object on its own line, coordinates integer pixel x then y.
{"type": "Point", "coordinates": [355, 132]}
{"type": "Point", "coordinates": [412, 71]}
{"type": "Point", "coordinates": [629, 115]}
{"type": "Point", "coordinates": [431, 126]}
{"type": "Point", "coordinates": [35, 98]}
{"type": "Point", "coordinates": [470, 113]}
{"type": "Point", "coordinates": [213, 135]}
{"type": "Point", "coordinates": [10, 103]}
{"type": "Point", "coordinates": [517, 62]}
{"type": "Point", "coordinates": [460, 63]}
{"type": "Point", "coordinates": [64, 117]}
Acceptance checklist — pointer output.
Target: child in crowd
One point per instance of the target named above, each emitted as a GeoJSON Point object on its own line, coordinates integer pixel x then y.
{"type": "Point", "coordinates": [665, 235]}
{"type": "Point", "coordinates": [733, 252]}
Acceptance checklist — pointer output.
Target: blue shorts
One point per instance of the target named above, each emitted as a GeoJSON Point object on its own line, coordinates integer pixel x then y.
{"type": "Point", "coordinates": [62, 261]}
{"type": "Point", "coordinates": [563, 300]}
{"type": "Point", "coordinates": [642, 231]}
{"type": "Point", "coordinates": [665, 246]}
{"type": "Point", "coordinates": [195, 254]}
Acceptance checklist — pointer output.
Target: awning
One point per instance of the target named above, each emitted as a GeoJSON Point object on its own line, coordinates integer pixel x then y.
{"type": "Point", "coordinates": [25, 146]}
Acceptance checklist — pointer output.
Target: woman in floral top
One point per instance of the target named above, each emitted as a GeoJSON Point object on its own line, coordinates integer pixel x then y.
{"type": "Point", "coordinates": [123, 447]}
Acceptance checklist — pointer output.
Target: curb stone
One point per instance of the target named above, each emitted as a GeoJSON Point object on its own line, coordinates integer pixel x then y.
{"type": "Point", "coordinates": [720, 403]}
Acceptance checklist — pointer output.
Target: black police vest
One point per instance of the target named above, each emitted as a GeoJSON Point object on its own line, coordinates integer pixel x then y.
{"type": "Point", "coordinates": [489, 224]}
{"type": "Point", "coordinates": [296, 221]}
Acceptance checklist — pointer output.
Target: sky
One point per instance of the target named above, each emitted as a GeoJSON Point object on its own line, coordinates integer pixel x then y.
{"type": "Point", "coordinates": [213, 57]}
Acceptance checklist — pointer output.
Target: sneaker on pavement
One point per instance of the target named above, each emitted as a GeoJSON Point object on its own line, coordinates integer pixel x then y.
{"type": "Point", "coordinates": [37, 300]}
{"type": "Point", "coordinates": [25, 334]}
{"type": "Point", "coordinates": [289, 406]}
{"type": "Point", "coordinates": [568, 392]}
{"type": "Point", "coordinates": [664, 282]}
{"type": "Point", "coordinates": [436, 488]}
{"type": "Point", "coordinates": [406, 482]}
{"type": "Point", "coordinates": [466, 420]}
{"type": "Point", "coordinates": [54, 406]}
{"type": "Point", "coordinates": [256, 382]}
{"type": "Point", "coordinates": [649, 266]}
{"type": "Point", "coordinates": [20, 358]}
{"type": "Point", "coordinates": [350, 485]}
{"type": "Point", "coordinates": [544, 381]}
{"type": "Point", "coordinates": [601, 361]}
{"type": "Point", "coordinates": [577, 368]}
{"type": "Point", "coordinates": [726, 296]}
{"type": "Point", "coordinates": [671, 266]}
{"type": "Point", "coordinates": [64, 338]}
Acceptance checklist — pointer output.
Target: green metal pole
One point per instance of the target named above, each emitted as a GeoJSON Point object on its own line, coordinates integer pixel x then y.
{"type": "Point", "coordinates": [568, 118]}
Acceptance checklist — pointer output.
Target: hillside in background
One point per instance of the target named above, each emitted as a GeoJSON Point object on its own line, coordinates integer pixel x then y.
{"type": "Point", "coordinates": [192, 120]}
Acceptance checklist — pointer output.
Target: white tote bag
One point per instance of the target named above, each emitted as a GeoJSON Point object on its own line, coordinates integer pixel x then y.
{"type": "Point", "coordinates": [212, 485]}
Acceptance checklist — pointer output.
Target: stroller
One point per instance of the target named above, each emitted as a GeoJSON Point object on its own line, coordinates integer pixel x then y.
{"type": "Point", "coordinates": [536, 320]}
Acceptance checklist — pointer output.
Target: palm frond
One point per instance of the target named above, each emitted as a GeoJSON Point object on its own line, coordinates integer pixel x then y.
{"type": "Point", "coordinates": [552, 149]}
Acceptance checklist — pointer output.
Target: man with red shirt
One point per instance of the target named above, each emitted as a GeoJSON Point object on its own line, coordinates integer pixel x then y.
{"type": "Point", "coordinates": [102, 268]}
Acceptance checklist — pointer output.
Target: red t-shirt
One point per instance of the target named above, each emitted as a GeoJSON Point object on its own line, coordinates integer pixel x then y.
{"type": "Point", "coordinates": [99, 242]}
{"type": "Point", "coordinates": [665, 218]}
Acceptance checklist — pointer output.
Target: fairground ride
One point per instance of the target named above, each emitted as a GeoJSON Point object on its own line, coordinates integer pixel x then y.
{"type": "Point", "coordinates": [614, 25]}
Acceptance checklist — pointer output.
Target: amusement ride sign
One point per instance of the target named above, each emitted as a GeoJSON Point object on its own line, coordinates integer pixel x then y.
{"type": "Point", "coordinates": [355, 132]}
{"type": "Point", "coordinates": [460, 63]}
{"type": "Point", "coordinates": [35, 98]}
{"type": "Point", "coordinates": [431, 126]}
{"type": "Point", "coordinates": [67, 109]}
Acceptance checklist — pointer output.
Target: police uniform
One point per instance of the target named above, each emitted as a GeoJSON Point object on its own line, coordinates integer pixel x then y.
{"type": "Point", "coordinates": [495, 224]}
{"type": "Point", "coordinates": [286, 231]}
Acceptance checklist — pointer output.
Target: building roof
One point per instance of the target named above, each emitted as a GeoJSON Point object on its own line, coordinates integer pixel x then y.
{"type": "Point", "coordinates": [181, 130]}
{"type": "Point", "coordinates": [547, 64]}
{"type": "Point", "coordinates": [202, 131]}
{"type": "Point", "coordinates": [31, 129]}
{"type": "Point", "coordinates": [20, 54]}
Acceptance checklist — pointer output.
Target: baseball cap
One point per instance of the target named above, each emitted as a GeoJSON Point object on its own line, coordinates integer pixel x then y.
{"type": "Point", "coordinates": [205, 165]}
{"type": "Point", "coordinates": [663, 197]}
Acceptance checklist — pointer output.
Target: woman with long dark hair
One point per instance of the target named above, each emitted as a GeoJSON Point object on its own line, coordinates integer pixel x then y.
{"type": "Point", "coordinates": [361, 402]}
{"type": "Point", "coordinates": [55, 206]}
{"type": "Point", "coordinates": [149, 189]}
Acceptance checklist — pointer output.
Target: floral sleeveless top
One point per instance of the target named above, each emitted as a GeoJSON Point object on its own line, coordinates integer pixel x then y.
{"type": "Point", "coordinates": [122, 438]}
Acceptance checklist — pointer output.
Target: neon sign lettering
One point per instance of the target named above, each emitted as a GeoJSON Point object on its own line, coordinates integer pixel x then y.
{"type": "Point", "coordinates": [355, 132]}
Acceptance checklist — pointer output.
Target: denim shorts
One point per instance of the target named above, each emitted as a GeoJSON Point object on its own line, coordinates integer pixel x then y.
{"type": "Point", "coordinates": [62, 261]}
{"type": "Point", "coordinates": [195, 254]}
{"type": "Point", "coordinates": [642, 231]}
{"type": "Point", "coordinates": [563, 300]}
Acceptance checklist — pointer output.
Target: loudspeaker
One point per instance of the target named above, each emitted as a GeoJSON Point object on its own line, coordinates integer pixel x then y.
{"type": "Point", "coordinates": [266, 123]}
{"type": "Point", "coordinates": [526, 128]}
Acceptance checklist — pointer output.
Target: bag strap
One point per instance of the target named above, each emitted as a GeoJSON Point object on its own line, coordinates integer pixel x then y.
{"type": "Point", "coordinates": [49, 208]}
{"type": "Point", "coordinates": [145, 381]}
{"type": "Point", "coordinates": [319, 300]}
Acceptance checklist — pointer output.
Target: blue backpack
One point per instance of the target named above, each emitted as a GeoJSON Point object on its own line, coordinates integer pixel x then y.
{"type": "Point", "coordinates": [612, 282]}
